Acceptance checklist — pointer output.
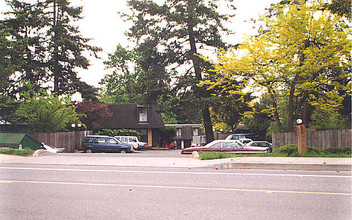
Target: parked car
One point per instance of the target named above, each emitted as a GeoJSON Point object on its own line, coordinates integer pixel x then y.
{"type": "Point", "coordinates": [235, 137]}
{"type": "Point", "coordinates": [239, 137]}
{"type": "Point", "coordinates": [261, 144]}
{"type": "Point", "coordinates": [245, 141]}
{"type": "Point", "coordinates": [228, 146]}
{"type": "Point", "coordinates": [133, 140]}
{"type": "Point", "coordinates": [251, 136]}
{"type": "Point", "coordinates": [98, 143]}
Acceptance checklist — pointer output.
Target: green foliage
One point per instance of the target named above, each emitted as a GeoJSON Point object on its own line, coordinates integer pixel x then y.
{"type": "Point", "coordinates": [300, 58]}
{"type": "Point", "coordinates": [341, 7]}
{"type": "Point", "coordinates": [123, 85]}
{"type": "Point", "coordinates": [47, 113]}
{"type": "Point", "coordinates": [292, 150]}
{"type": "Point", "coordinates": [120, 132]}
{"type": "Point", "coordinates": [167, 135]}
{"type": "Point", "coordinates": [8, 108]}
{"type": "Point", "coordinates": [24, 152]}
{"type": "Point", "coordinates": [328, 120]}
{"type": "Point", "coordinates": [39, 44]}
{"type": "Point", "coordinates": [169, 41]}
{"type": "Point", "coordinates": [337, 150]}
{"type": "Point", "coordinates": [179, 109]}
{"type": "Point", "coordinates": [259, 119]}
{"type": "Point", "coordinates": [214, 155]}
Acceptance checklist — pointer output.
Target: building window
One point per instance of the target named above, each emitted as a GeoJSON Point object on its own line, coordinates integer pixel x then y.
{"type": "Point", "coordinates": [178, 132]}
{"type": "Point", "coordinates": [143, 114]}
{"type": "Point", "coordinates": [195, 132]}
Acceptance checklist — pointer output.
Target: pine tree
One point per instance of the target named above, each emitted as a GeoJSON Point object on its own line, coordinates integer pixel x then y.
{"type": "Point", "coordinates": [184, 29]}
{"type": "Point", "coordinates": [66, 46]}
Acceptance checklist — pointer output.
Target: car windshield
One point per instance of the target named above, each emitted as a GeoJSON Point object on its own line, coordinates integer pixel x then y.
{"type": "Point", "coordinates": [112, 141]}
{"type": "Point", "coordinates": [240, 144]}
{"type": "Point", "coordinates": [117, 140]}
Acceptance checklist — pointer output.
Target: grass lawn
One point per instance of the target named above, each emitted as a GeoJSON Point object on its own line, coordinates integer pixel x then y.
{"type": "Point", "coordinates": [219, 155]}
{"type": "Point", "coordinates": [17, 152]}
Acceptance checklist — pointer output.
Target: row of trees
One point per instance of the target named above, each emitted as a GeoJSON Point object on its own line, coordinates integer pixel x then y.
{"type": "Point", "coordinates": [41, 51]}
{"type": "Point", "coordinates": [41, 46]}
{"type": "Point", "coordinates": [299, 63]}
{"type": "Point", "coordinates": [300, 60]}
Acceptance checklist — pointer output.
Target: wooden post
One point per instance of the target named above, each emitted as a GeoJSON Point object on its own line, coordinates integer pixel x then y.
{"type": "Point", "coordinates": [303, 135]}
{"type": "Point", "coordinates": [301, 139]}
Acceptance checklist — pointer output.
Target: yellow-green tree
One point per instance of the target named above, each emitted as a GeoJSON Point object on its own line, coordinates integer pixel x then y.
{"type": "Point", "coordinates": [301, 56]}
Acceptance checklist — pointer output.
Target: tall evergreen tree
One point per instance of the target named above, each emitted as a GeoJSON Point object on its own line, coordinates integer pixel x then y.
{"type": "Point", "coordinates": [39, 44]}
{"type": "Point", "coordinates": [66, 46]}
{"type": "Point", "coordinates": [184, 29]}
{"type": "Point", "coordinates": [22, 47]}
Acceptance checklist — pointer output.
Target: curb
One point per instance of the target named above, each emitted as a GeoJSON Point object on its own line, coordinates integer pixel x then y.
{"type": "Point", "coordinates": [270, 166]}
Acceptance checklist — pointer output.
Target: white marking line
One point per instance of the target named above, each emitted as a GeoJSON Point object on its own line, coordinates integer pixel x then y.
{"type": "Point", "coordinates": [172, 172]}
{"type": "Point", "coordinates": [176, 187]}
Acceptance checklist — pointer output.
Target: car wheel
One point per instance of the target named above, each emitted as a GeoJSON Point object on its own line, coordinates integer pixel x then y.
{"type": "Point", "coordinates": [123, 151]}
{"type": "Point", "coordinates": [89, 150]}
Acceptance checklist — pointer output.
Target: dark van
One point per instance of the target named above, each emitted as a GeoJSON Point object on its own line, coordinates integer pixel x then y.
{"type": "Point", "coordinates": [98, 143]}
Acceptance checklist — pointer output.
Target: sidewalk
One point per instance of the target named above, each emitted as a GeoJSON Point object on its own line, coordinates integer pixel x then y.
{"type": "Point", "coordinates": [270, 163]}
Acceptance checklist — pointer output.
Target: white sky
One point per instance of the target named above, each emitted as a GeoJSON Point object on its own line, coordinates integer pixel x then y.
{"type": "Point", "coordinates": [102, 23]}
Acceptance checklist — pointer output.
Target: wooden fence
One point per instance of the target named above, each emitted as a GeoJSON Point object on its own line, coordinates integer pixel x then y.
{"type": "Point", "coordinates": [68, 140]}
{"type": "Point", "coordinates": [319, 139]}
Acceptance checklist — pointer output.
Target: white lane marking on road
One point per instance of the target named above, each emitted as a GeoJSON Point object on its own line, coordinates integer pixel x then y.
{"type": "Point", "coordinates": [176, 187]}
{"type": "Point", "coordinates": [173, 172]}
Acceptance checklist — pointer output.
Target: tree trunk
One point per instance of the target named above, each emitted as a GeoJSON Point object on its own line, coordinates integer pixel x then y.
{"type": "Point", "coordinates": [209, 135]}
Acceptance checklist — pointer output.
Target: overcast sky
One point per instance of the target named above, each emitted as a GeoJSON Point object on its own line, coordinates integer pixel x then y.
{"type": "Point", "coordinates": [102, 23]}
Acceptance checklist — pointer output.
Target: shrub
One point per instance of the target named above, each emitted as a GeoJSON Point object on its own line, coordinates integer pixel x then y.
{"type": "Point", "coordinates": [292, 150]}
{"type": "Point", "coordinates": [337, 150]}
{"type": "Point", "coordinates": [120, 132]}
{"type": "Point", "coordinates": [24, 152]}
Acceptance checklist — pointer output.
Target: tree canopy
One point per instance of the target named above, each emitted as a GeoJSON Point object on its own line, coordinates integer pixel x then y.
{"type": "Point", "coordinates": [40, 44]}
{"type": "Point", "coordinates": [44, 112]}
{"type": "Point", "coordinates": [300, 58]}
{"type": "Point", "coordinates": [171, 36]}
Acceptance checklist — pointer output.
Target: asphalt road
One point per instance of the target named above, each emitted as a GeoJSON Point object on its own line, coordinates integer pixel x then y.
{"type": "Point", "coordinates": [102, 192]}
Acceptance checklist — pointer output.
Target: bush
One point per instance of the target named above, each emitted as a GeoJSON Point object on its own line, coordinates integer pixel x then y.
{"type": "Point", "coordinates": [24, 152]}
{"type": "Point", "coordinates": [292, 150]}
{"type": "Point", "coordinates": [337, 150]}
{"type": "Point", "coordinates": [120, 132]}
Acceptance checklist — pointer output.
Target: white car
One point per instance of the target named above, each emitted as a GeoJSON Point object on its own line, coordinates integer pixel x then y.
{"type": "Point", "coordinates": [239, 137]}
{"type": "Point", "coordinates": [132, 140]}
